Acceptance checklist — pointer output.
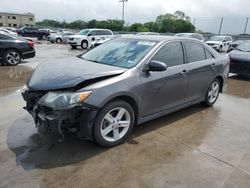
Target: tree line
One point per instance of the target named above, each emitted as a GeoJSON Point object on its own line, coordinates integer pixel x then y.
{"type": "Point", "coordinates": [165, 23]}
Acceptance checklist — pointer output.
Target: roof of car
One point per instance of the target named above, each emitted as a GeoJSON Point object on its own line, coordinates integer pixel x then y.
{"type": "Point", "coordinates": [158, 38]}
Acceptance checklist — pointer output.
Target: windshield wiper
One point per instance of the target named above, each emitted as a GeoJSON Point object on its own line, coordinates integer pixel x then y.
{"type": "Point", "coordinates": [95, 61]}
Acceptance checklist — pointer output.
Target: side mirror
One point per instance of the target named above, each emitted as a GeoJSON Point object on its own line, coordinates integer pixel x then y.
{"type": "Point", "coordinates": [224, 41]}
{"type": "Point", "coordinates": [89, 34]}
{"type": "Point", "coordinates": [155, 66]}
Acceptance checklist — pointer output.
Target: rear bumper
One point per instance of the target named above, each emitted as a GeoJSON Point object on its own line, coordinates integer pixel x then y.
{"type": "Point", "coordinates": [28, 54]}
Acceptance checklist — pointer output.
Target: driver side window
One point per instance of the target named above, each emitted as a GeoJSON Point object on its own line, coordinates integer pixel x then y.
{"type": "Point", "coordinates": [171, 54]}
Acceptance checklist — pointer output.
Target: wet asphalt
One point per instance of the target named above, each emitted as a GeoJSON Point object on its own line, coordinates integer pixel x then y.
{"type": "Point", "coordinates": [196, 147]}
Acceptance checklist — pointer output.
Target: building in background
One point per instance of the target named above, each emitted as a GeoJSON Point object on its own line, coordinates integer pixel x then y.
{"type": "Point", "coordinates": [16, 20]}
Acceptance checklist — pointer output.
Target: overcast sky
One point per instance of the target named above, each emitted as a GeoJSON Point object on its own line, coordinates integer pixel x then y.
{"type": "Point", "coordinates": [208, 13]}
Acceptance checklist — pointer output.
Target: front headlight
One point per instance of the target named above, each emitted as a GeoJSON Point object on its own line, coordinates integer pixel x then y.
{"type": "Point", "coordinates": [63, 99]}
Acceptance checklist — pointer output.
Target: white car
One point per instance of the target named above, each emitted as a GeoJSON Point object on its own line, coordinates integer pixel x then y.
{"type": "Point", "coordinates": [220, 43]}
{"type": "Point", "coordinates": [191, 35]}
{"type": "Point", "coordinates": [87, 37]}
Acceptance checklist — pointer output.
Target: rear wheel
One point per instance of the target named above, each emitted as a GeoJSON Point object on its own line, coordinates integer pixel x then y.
{"type": "Point", "coordinates": [113, 124]}
{"type": "Point", "coordinates": [44, 37]}
{"type": "Point", "coordinates": [212, 93]}
{"type": "Point", "coordinates": [12, 57]}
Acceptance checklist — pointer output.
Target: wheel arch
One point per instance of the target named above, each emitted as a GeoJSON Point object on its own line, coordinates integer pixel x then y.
{"type": "Point", "coordinates": [220, 78]}
{"type": "Point", "coordinates": [11, 48]}
{"type": "Point", "coordinates": [130, 100]}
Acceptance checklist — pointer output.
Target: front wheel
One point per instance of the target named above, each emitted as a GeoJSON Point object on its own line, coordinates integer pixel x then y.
{"type": "Point", "coordinates": [113, 124]}
{"type": "Point", "coordinates": [212, 93]}
{"type": "Point", "coordinates": [84, 44]}
{"type": "Point", "coordinates": [220, 49]}
{"type": "Point", "coordinates": [58, 40]}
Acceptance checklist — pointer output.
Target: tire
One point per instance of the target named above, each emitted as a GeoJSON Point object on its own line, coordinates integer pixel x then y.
{"type": "Point", "coordinates": [44, 37]}
{"type": "Point", "coordinates": [84, 44]}
{"type": "Point", "coordinates": [220, 49]}
{"type": "Point", "coordinates": [58, 40]}
{"type": "Point", "coordinates": [108, 129]}
{"type": "Point", "coordinates": [73, 47]}
{"type": "Point", "coordinates": [212, 93]}
{"type": "Point", "coordinates": [229, 49]}
{"type": "Point", "coordinates": [12, 57]}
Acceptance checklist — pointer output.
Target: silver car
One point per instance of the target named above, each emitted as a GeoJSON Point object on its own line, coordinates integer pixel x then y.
{"type": "Point", "coordinates": [60, 38]}
{"type": "Point", "coordinates": [191, 35]}
{"type": "Point", "coordinates": [103, 93]}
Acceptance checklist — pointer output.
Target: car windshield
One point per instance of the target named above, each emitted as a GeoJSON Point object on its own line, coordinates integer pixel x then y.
{"type": "Point", "coordinates": [84, 32]}
{"type": "Point", "coordinates": [182, 35]}
{"type": "Point", "coordinates": [217, 39]}
{"type": "Point", "coordinates": [120, 52]}
{"type": "Point", "coordinates": [245, 46]}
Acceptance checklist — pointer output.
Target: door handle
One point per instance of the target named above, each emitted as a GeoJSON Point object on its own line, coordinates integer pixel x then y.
{"type": "Point", "coordinates": [183, 73]}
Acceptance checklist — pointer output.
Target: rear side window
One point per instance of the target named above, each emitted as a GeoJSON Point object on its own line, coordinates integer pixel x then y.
{"type": "Point", "coordinates": [195, 52]}
{"type": "Point", "coordinates": [99, 32]}
{"type": "Point", "coordinates": [171, 54]}
{"type": "Point", "coordinates": [209, 54]}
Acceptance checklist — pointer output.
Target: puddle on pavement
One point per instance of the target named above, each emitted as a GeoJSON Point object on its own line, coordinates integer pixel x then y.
{"type": "Point", "coordinates": [238, 86]}
{"type": "Point", "coordinates": [36, 150]}
{"type": "Point", "coordinates": [13, 76]}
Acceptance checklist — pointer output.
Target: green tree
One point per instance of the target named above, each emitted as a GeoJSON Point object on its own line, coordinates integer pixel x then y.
{"type": "Point", "coordinates": [181, 15]}
{"type": "Point", "coordinates": [91, 24]}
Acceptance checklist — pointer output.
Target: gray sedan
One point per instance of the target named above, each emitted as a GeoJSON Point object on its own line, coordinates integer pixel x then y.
{"type": "Point", "coordinates": [103, 93]}
{"type": "Point", "coordinates": [60, 38]}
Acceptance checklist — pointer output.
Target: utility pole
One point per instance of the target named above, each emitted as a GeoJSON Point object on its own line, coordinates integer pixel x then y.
{"type": "Point", "coordinates": [221, 22]}
{"type": "Point", "coordinates": [123, 6]}
{"type": "Point", "coordinates": [194, 22]}
{"type": "Point", "coordinates": [245, 30]}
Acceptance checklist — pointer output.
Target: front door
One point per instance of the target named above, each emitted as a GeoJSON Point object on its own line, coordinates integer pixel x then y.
{"type": "Point", "coordinates": [165, 90]}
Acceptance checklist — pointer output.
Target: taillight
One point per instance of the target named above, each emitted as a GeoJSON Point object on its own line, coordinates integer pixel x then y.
{"type": "Point", "coordinates": [31, 44]}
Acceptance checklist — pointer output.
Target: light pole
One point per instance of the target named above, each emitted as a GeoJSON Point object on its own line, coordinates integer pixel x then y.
{"type": "Point", "coordinates": [123, 5]}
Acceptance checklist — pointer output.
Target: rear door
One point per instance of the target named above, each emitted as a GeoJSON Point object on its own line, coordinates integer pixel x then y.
{"type": "Point", "coordinates": [165, 90]}
{"type": "Point", "coordinates": [202, 70]}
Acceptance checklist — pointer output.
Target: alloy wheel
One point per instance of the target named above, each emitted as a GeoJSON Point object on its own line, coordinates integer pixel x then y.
{"type": "Point", "coordinates": [13, 58]}
{"type": "Point", "coordinates": [115, 124]}
{"type": "Point", "coordinates": [213, 91]}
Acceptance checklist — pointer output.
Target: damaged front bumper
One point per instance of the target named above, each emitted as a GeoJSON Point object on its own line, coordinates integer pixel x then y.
{"type": "Point", "coordinates": [78, 119]}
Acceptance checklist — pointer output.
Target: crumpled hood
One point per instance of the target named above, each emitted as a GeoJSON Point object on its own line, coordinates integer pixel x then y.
{"type": "Point", "coordinates": [239, 55]}
{"type": "Point", "coordinates": [68, 73]}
